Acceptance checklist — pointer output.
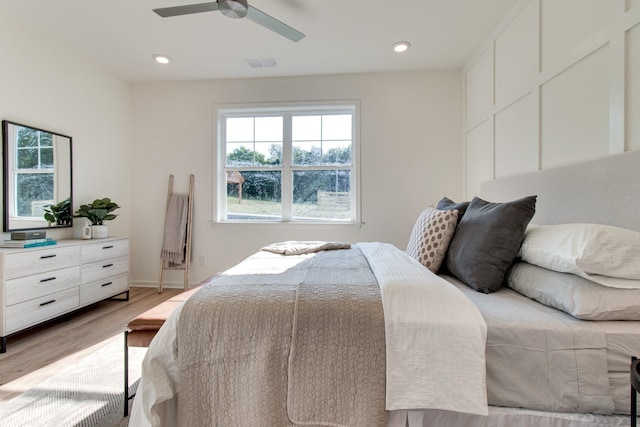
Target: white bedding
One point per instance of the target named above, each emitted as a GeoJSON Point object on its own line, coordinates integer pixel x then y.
{"type": "Point", "coordinates": [420, 309]}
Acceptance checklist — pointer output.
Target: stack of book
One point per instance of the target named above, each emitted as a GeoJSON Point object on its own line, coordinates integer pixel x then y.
{"type": "Point", "coordinates": [27, 243]}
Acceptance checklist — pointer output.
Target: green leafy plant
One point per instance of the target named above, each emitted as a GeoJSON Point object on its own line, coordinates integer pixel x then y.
{"type": "Point", "coordinates": [60, 213]}
{"type": "Point", "coordinates": [97, 211]}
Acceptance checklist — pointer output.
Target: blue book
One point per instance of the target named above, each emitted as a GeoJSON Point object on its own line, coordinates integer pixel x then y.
{"type": "Point", "coordinates": [36, 244]}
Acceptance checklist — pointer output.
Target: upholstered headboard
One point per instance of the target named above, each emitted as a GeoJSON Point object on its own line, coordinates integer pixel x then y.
{"type": "Point", "coordinates": [604, 191]}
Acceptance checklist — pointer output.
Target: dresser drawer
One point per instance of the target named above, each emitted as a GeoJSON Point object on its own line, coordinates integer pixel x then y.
{"type": "Point", "coordinates": [102, 269]}
{"type": "Point", "coordinates": [104, 250]}
{"type": "Point", "coordinates": [102, 289]}
{"type": "Point", "coordinates": [29, 313]}
{"type": "Point", "coordinates": [29, 287]}
{"type": "Point", "coordinates": [34, 261]}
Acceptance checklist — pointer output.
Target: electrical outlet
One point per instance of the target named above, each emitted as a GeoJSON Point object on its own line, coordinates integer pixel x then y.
{"type": "Point", "coordinates": [202, 260]}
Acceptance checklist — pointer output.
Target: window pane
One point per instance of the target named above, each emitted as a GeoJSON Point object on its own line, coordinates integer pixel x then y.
{"type": "Point", "coordinates": [274, 156]}
{"type": "Point", "coordinates": [27, 137]}
{"type": "Point", "coordinates": [268, 129]}
{"type": "Point", "coordinates": [46, 158]}
{"type": "Point", "coordinates": [242, 155]}
{"type": "Point", "coordinates": [240, 129]}
{"type": "Point", "coordinates": [268, 153]}
{"type": "Point", "coordinates": [322, 195]}
{"type": "Point", "coordinates": [336, 127]}
{"type": "Point", "coordinates": [27, 158]}
{"type": "Point", "coordinates": [336, 153]}
{"type": "Point", "coordinates": [306, 128]}
{"type": "Point", "coordinates": [307, 153]}
{"type": "Point", "coordinates": [32, 187]}
{"type": "Point", "coordinates": [254, 196]}
{"type": "Point", "coordinates": [46, 139]}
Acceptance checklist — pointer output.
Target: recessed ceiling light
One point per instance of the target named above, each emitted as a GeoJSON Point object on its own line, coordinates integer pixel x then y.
{"type": "Point", "coordinates": [162, 59]}
{"type": "Point", "coordinates": [401, 46]}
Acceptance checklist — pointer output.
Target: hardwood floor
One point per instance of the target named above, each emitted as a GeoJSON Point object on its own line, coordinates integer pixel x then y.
{"type": "Point", "coordinates": [36, 354]}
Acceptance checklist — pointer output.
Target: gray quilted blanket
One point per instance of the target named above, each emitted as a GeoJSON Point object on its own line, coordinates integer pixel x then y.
{"type": "Point", "coordinates": [285, 347]}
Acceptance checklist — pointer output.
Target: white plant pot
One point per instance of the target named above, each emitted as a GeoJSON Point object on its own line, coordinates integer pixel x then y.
{"type": "Point", "coordinates": [99, 231]}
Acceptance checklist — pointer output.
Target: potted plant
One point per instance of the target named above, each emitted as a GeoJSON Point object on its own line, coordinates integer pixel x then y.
{"type": "Point", "coordinates": [59, 214]}
{"type": "Point", "coordinates": [97, 212]}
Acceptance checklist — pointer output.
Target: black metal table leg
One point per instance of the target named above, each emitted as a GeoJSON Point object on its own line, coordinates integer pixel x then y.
{"type": "Point", "coordinates": [635, 389]}
{"type": "Point", "coordinates": [126, 375]}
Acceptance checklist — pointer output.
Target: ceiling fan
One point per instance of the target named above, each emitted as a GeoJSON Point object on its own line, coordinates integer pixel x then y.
{"type": "Point", "coordinates": [234, 9]}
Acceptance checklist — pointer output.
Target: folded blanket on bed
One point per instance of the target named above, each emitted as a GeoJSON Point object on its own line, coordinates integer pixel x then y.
{"type": "Point", "coordinates": [435, 337]}
{"type": "Point", "coordinates": [285, 349]}
{"type": "Point", "coordinates": [304, 247]}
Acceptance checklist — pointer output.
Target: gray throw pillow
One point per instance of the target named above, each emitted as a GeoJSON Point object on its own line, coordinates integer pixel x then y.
{"type": "Point", "coordinates": [487, 241]}
{"type": "Point", "coordinates": [446, 204]}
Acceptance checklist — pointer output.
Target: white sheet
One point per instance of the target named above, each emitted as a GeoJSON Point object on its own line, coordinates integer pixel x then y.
{"type": "Point", "coordinates": [435, 337]}
{"type": "Point", "coordinates": [422, 309]}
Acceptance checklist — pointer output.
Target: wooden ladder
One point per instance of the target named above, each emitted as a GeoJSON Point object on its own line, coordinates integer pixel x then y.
{"type": "Point", "coordinates": [187, 258]}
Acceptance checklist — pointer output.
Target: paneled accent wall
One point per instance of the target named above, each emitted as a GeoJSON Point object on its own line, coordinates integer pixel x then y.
{"type": "Point", "coordinates": [557, 83]}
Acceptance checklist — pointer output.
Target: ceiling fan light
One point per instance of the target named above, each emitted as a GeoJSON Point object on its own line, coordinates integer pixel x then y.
{"type": "Point", "coordinates": [401, 46]}
{"type": "Point", "coordinates": [233, 8]}
{"type": "Point", "coordinates": [161, 59]}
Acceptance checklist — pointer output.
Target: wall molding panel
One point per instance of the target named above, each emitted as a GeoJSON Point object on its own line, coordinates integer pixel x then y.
{"type": "Point", "coordinates": [560, 86]}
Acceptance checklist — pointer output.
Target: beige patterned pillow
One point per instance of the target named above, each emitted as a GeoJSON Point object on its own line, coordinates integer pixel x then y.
{"type": "Point", "coordinates": [431, 235]}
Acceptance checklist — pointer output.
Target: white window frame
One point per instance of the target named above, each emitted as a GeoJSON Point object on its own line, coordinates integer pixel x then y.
{"type": "Point", "coordinates": [287, 110]}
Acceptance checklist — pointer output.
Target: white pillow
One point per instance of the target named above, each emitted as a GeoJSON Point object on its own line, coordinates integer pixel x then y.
{"type": "Point", "coordinates": [574, 295]}
{"type": "Point", "coordinates": [601, 253]}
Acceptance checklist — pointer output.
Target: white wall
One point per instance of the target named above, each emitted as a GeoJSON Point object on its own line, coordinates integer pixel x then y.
{"type": "Point", "coordinates": [557, 83]}
{"type": "Point", "coordinates": [410, 131]}
{"type": "Point", "coordinates": [43, 84]}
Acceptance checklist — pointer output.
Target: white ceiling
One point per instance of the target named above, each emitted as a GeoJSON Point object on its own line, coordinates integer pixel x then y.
{"type": "Point", "coordinates": [341, 36]}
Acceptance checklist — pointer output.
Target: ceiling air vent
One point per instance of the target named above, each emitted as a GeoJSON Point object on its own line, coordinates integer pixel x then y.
{"type": "Point", "coordinates": [261, 63]}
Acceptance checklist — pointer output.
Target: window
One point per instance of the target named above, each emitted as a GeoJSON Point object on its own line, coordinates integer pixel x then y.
{"type": "Point", "coordinates": [288, 164]}
{"type": "Point", "coordinates": [31, 166]}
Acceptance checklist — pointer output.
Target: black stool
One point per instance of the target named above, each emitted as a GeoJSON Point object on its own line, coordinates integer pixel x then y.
{"type": "Point", "coordinates": [635, 388]}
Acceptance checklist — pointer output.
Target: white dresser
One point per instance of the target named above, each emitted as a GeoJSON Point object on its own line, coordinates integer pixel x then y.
{"type": "Point", "coordinates": [39, 284]}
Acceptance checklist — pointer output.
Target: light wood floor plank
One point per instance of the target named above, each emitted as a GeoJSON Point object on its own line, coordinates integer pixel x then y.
{"type": "Point", "coordinates": [38, 353]}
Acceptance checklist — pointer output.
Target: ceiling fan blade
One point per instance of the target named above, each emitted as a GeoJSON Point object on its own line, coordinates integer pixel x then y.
{"type": "Point", "coordinates": [187, 9]}
{"type": "Point", "coordinates": [273, 24]}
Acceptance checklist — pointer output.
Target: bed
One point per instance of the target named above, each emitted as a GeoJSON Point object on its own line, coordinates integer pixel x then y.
{"type": "Point", "coordinates": [317, 338]}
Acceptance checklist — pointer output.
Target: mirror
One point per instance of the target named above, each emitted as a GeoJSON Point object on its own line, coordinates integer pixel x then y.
{"type": "Point", "coordinates": [37, 177]}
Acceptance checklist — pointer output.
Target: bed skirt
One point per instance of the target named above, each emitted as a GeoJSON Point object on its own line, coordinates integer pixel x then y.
{"type": "Point", "coordinates": [504, 417]}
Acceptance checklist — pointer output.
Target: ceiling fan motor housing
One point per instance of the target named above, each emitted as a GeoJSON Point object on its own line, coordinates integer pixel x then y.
{"type": "Point", "coordinates": [233, 8]}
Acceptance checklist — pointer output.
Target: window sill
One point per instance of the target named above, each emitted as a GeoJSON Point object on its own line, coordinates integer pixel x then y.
{"type": "Point", "coordinates": [302, 224]}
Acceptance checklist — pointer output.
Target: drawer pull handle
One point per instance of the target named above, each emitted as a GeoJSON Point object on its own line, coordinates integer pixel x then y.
{"type": "Point", "coordinates": [48, 279]}
{"type": "Point", "coordinates": [107, 247]}
{"type": "Point", "coordinates": [107, 265]}
{"type": "Point", "coordinates": [48, 302]}
{"type": "Point", "coordinates": [48, 256]}
{"type": "Point", "coordinates": [106, 284]}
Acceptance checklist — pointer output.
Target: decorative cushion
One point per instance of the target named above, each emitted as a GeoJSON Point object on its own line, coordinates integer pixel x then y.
{"type": "Point", "coordinates": [431, 235]}
{"type": "Point", "coordinates": [487, 240]}
{"type": "Point", "coordinates": [573, 294]}
{"type": "Point", "coordinates": [601, 253]}
{"type": "Point", "coordinates": [446, 204]}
